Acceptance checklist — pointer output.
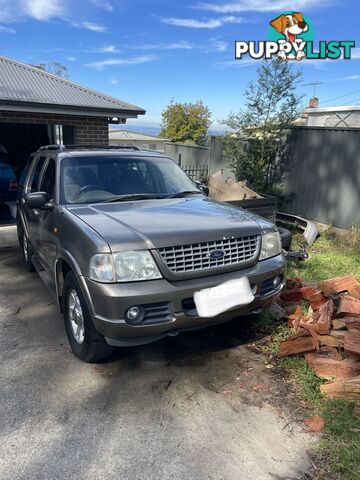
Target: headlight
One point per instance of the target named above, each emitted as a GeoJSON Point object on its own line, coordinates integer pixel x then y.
{"type": "Point", "coordinates": [135, 266]}
{"type": "Point", "coordinates": [270, 245]}
{"type": "Point", "coordinates": [123, 267]}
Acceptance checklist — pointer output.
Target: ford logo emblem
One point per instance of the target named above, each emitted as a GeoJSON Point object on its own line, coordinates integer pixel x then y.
{"type": "Point", "coordinates": [217, 254]}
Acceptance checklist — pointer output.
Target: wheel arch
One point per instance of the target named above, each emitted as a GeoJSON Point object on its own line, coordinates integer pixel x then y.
{"type": "Point", "coordinates": [64, 264]}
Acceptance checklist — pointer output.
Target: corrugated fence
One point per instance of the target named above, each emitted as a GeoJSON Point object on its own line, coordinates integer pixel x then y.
{"type": "Point", "coordinates": [323, 175]}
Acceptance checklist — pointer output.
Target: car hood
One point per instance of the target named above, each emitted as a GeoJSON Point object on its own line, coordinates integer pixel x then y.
{"type": "Point", "coordinates": [151, 224]}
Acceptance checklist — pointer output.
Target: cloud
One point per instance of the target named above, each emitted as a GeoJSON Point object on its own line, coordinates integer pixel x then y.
{"type": "Point", "coordinates": [257, 5]}
{"type": "Point", "coordinates": [217, 45]}
{"type": "Point", "coordinates": [207, 24]}
{"type": "Point", "coordinates": [107, 49]}
{"type": "Point", "coordinates": [6, 29]}
{"type": "Point", "coordinates": [349, 77]}
{"type": "Point", "coordinates": [355, 53]}
{"type": "Point", "coordinates": [71, 59]}
{"type": "Point", "coordinates": [122, 62]}
{"type": "Point", "coordinates": [104, 5]}
{"type": "Point", "coordinates": [95, 27]}
{"type": "Point", "coordinates": [182, 45]}
{"type": "Point", "coordinates": [13, 11]}
{"type": "Point", "coordinates": [238, 63]}
{"type": "Point", "coordinates": [44, 10]}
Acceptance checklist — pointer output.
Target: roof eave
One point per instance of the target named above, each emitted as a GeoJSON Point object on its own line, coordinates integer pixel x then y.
{"type": "Point", "coordinates": [33, 107]}
{"type": "Point", "coordinates": [343, 108]}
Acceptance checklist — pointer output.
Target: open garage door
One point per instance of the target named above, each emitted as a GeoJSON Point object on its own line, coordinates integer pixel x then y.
{"type": "Point", "coordinates": [20, 140]}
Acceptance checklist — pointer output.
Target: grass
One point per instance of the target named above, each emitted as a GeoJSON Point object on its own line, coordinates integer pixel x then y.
{"type": "Point", "coordinates": [332, 255]}
{"type": "Point", "coordinates": [338, 453]}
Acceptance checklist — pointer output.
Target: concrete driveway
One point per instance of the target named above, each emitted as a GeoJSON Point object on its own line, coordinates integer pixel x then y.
{"type": "Point", "coordinates": [199, 406]}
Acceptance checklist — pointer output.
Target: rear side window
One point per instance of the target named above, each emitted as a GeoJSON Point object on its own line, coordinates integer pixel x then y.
{"type": "Point", "coordinates": [35, 175]}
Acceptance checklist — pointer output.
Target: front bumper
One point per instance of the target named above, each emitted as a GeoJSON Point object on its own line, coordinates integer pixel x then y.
{"type": "Point", "coordinates": [108, 303]}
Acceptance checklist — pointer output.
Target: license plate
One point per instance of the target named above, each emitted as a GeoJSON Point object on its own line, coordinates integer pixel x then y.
{"type": "Point", "coordinates": [213, 301]}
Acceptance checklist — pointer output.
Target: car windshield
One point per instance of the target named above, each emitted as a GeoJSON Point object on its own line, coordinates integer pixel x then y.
{"type": "Point", "coordinates": [118, 178]}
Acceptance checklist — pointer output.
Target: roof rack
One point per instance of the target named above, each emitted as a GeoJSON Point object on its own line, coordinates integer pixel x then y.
{"type": "Point", "coordinates": [88, 147]}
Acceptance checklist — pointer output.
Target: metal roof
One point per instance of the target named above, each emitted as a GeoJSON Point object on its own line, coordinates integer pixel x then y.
{"type": "Point", "coordinates": [26, 88]}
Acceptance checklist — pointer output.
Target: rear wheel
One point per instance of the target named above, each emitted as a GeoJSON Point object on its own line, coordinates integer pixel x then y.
{"type": "Point", "coordinates": [85, 341]}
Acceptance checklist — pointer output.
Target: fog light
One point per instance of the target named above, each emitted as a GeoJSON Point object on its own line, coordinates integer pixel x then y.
{"type": "Point", "coordinates": [276, 282]}
{"type": "Point", "coordinates": [134, 314]}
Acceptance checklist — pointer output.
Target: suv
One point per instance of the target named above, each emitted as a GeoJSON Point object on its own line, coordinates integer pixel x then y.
{"type": "Point", "coordinates": [133, 250]}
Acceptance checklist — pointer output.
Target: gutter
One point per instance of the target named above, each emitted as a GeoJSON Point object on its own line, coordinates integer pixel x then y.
{"type": "Point", "coordinates": [78, 110]}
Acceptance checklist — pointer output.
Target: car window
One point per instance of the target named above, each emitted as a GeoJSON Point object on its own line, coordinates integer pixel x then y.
{"type": "Point", "coordinates": [35, 175]}
{"type": "Point", "coordinates": [48, 180]}
{"type": "Point", "coordinates": [101, 178]}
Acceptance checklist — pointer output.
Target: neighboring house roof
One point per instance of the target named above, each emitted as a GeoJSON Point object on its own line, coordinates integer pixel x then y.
{"type": "Point", "coordinates": [26, 88]}
{"type": "Point", "coordinates": [342, 108]}
{"type": "Point", "coordinates": [127, 135]}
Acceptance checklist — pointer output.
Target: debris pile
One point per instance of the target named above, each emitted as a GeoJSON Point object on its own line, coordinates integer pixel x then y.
{"type": "Point", "coordinates": [225, 190]}
{"type": "Point", "coordinates": [326, 323]}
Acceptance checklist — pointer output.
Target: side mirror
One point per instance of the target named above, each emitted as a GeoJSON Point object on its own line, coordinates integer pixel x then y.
{"type": "Point", "coordinates": [202, 187]}
{"type": "Point", "coordinates": [38, 200]}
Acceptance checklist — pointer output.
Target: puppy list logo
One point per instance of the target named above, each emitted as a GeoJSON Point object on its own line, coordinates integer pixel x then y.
{"type": "Point", "coordinates": [291, 37]}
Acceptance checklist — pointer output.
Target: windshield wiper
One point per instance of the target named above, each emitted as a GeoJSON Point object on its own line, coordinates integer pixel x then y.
{"type": "Point", "coordinates": [133, 196]}
{"type": "Point", "coordinates": [185, 193]}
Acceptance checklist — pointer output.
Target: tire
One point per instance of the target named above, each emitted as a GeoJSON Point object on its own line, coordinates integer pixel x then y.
{"type": "Point", "coordinates": [86, 342]}
{"type": "Point", "coordinates": [286, 237]}
{"type": "Point", "coordinates": [26, 250]}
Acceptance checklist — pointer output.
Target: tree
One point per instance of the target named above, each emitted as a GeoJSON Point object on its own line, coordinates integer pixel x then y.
{"type": "Point", "coordinates": [186, 122]}
{"type": "Point", "coordinates": [253, 145]}
{"type": "Point", "coordinates": [55, 68]}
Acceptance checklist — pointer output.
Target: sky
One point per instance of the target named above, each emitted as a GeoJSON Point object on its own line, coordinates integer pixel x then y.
{"type": "Point", "coordinates": [148, 52]}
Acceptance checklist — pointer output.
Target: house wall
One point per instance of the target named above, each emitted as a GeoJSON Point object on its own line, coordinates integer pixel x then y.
{"type": "Point", "coordinates": [87, 130]}
{"type": "Point", "coordinates": [350, 118]}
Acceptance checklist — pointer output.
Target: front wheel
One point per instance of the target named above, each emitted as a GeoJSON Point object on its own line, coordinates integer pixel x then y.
{"type": "Point", "coordinates": [85, 341]}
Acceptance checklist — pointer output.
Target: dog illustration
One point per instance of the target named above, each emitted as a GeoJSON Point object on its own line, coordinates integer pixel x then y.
{"type": "Point", "coordinates": [290, 26]}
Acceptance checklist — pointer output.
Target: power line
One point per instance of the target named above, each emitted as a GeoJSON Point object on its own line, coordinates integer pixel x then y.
{"type": "Point", "coordinates": [340, 96]}
{"type": "Point", "coordinates": [352, 102]}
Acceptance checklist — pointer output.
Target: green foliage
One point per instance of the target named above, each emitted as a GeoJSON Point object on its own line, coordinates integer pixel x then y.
{"type": "Point", "coordinates": [254, 143]}
{"type": "Point", "coordinates": [186, 122]}
{"type": "Point", "coordinates": [55, 68]}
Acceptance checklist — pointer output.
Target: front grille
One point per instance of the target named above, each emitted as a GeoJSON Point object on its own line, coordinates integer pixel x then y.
{"type": "Point", "coordinates": [194, 257]}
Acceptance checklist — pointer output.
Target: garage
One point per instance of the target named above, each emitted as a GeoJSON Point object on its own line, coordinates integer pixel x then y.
{"type": "Point", "coordinates": [38, 108]}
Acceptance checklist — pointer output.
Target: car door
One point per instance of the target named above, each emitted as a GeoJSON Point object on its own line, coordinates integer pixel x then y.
{"type": "Point", "coordinates": [31, 216]}
{"type": "Point", "coordinates": [47, 231]}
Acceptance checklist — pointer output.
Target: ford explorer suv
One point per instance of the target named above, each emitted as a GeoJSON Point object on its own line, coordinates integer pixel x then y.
{"type": "Point", "coordinates": [133, 250]}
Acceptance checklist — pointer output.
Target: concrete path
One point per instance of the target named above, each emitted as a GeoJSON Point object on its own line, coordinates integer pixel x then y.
{"type": "Point", "coordinates": [199, 406]}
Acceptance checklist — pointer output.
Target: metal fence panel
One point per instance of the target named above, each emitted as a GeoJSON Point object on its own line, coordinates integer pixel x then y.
{"type": "Point", "coordinates": [324, 175]}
